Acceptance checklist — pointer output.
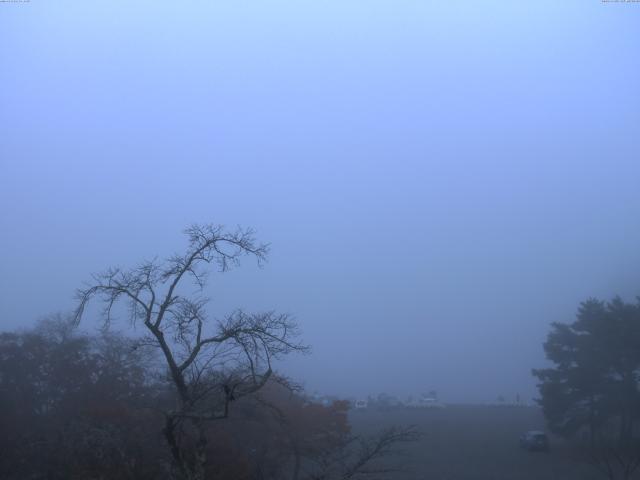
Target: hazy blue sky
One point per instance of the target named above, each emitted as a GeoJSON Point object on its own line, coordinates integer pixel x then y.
{"type": "Point", "coordinates": [439, 180]}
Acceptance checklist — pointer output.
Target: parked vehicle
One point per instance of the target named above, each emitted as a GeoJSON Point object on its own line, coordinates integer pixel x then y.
{"type": "Point", "coordinates": [429, 402]}
{"type": "Point", "coordinates": [534, 441]}
{"type": "Point", "coordinates": [361, 405]}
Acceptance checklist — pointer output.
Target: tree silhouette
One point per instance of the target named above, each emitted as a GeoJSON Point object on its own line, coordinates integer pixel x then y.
{"type": "Point", "coordinates": [210, 363]}
{"type": "Point", "coordinates": [592, 390]}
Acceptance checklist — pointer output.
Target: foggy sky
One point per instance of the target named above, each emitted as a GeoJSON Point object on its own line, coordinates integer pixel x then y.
{"type": "Point", "coordinates": [439, 180]}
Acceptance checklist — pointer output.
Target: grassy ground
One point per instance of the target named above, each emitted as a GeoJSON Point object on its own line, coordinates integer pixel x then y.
{"type": "Point", "coordinates": [474, 443]}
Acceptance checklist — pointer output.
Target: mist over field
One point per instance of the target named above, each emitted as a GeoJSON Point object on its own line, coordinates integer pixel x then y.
{"type": "Point", "coordinates": [438, 182]}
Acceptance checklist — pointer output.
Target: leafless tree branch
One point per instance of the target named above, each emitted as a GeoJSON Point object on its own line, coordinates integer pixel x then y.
{"type": "Point", "coordinates": [210, 363]}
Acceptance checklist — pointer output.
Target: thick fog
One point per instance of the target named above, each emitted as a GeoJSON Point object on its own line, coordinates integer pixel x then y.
{"type": "Point", "coordinates": [439, 181]}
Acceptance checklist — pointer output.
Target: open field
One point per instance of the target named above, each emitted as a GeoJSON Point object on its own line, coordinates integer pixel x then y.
{"type": "Point", "coordinates": [474, 443]}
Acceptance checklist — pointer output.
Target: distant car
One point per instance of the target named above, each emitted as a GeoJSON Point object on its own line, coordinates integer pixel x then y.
{"type": "Point", "coordinates": [361, 404]}
{"type": "Point", "coordinates": [429, 402]}
{"type": "Point", "coordinates": [534, 441]}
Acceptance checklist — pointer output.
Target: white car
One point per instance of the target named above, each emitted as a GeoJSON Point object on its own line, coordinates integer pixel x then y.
{"type": "Point", "coordinates": [361, 405]}
{"type": "Point", "coordinates": [430, 402]}
{"type": "Point", "coordinates": [424, 401]}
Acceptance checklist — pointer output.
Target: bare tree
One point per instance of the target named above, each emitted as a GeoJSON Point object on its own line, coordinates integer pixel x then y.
{"type": "Point", "coordinates": [210, 362]}
{"type": "Point", "coordinates": [614, 459]}
{"type": "Point", "coordinates": [363, 457]}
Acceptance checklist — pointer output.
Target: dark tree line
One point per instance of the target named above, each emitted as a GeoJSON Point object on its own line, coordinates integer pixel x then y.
{"type": "Point", "coordinates": [592, 392]}
{"type": "Point", "coordinates": [75, 406]}
{"type": "Point", "coordinates": [85, 407]}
